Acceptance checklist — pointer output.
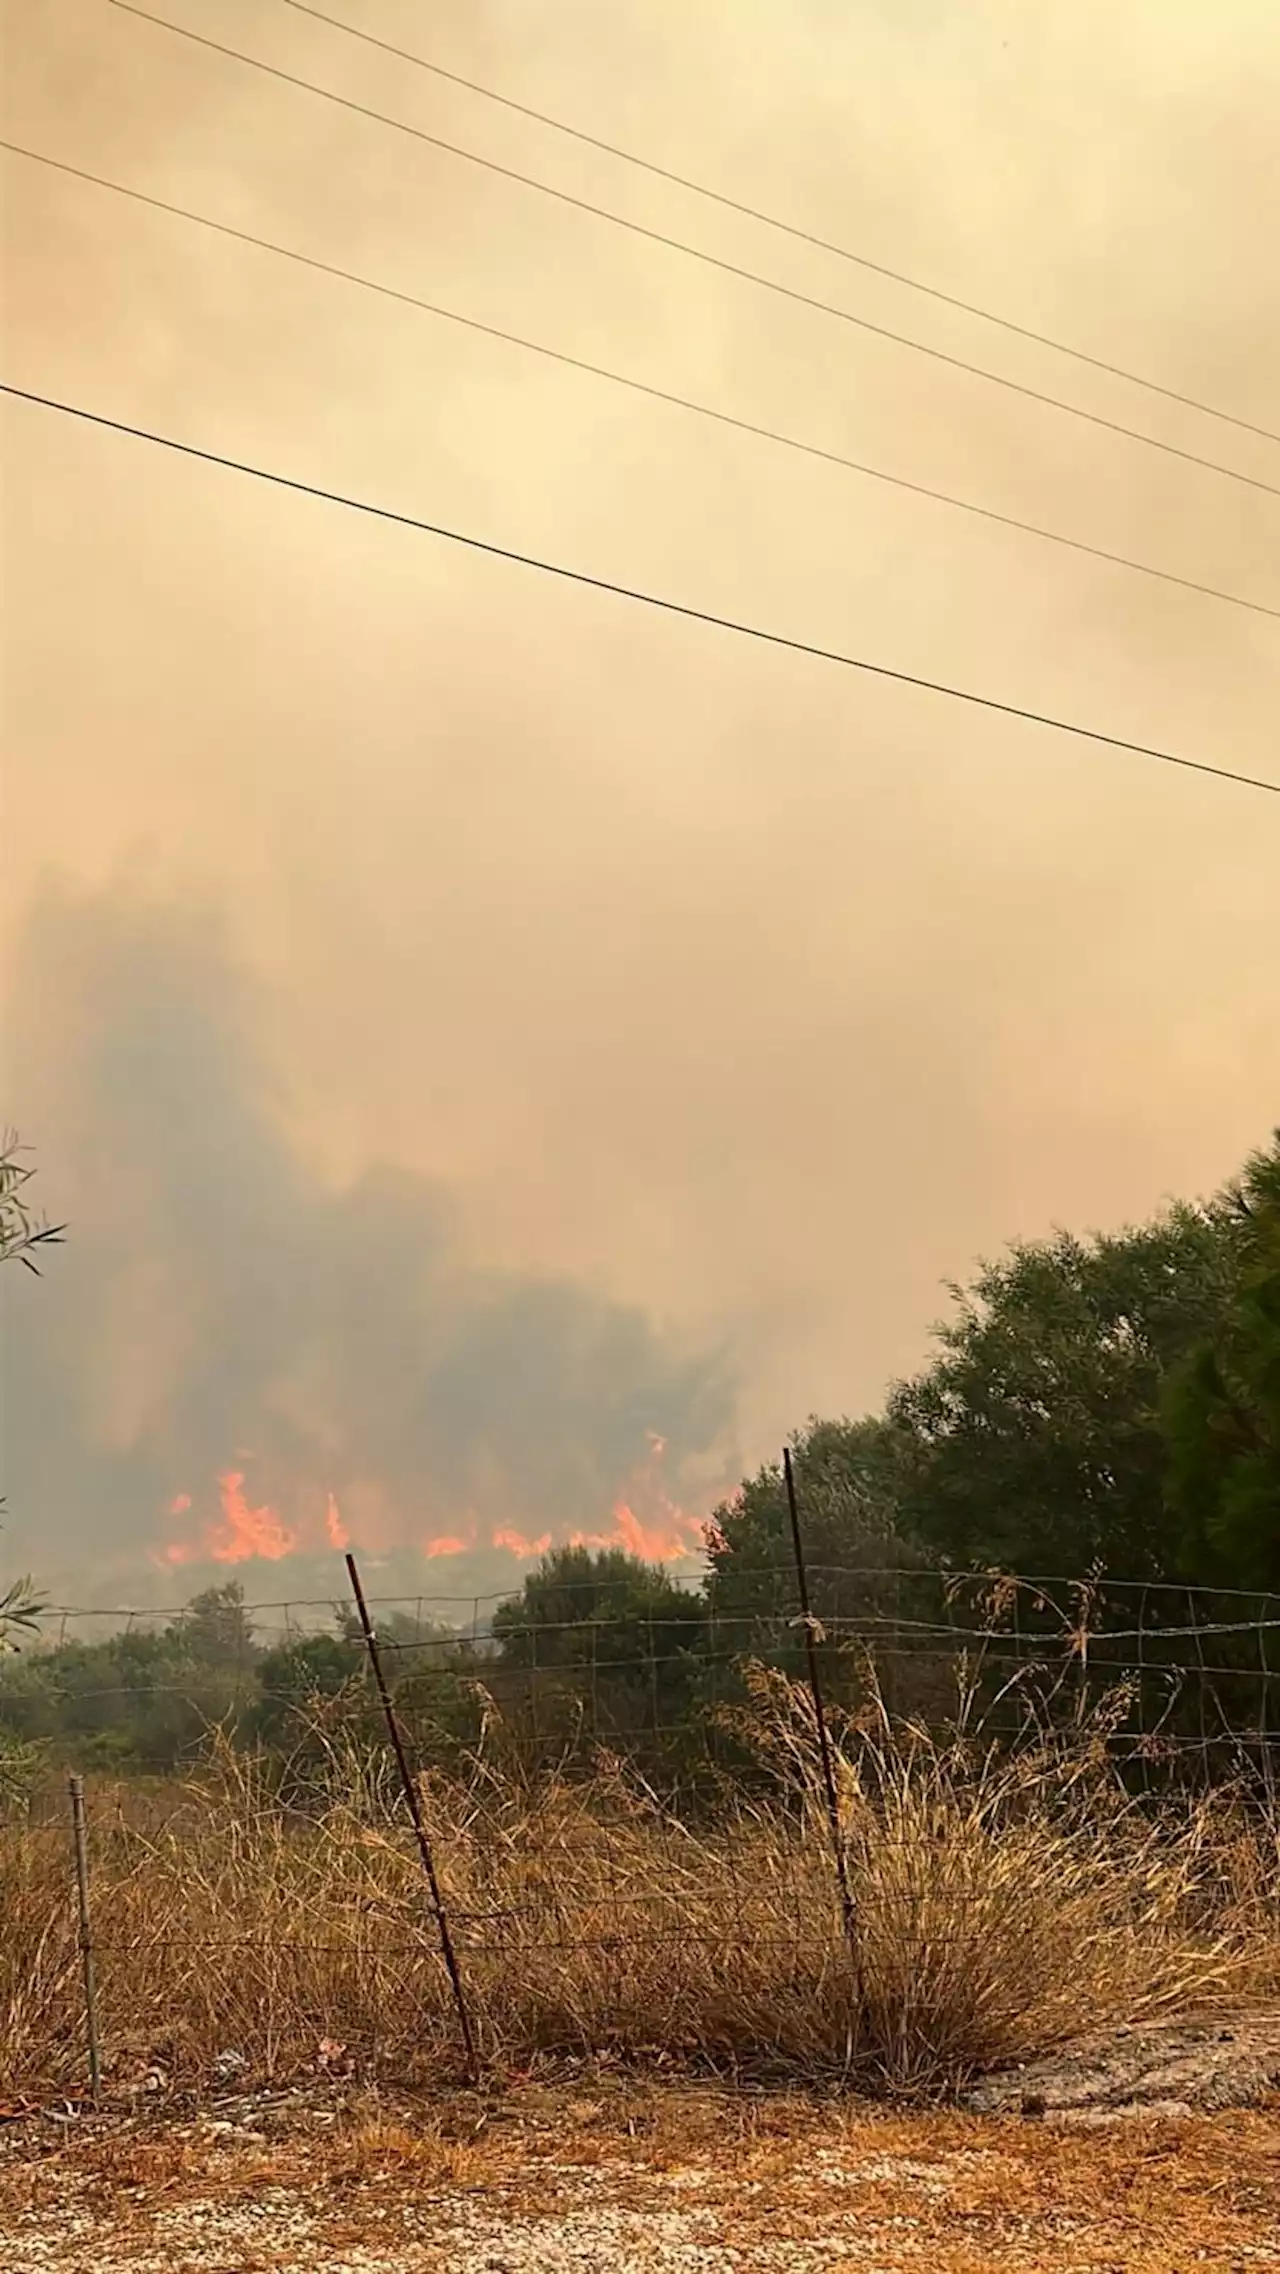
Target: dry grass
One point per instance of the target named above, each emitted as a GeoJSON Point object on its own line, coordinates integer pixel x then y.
{"type": "Point", "coordinates": [1003, 1906]}
{"type": "Point", "coordinates": [791, 2183]}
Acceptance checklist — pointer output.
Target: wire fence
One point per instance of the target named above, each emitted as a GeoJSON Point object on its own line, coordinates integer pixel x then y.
{"type": "Point", "coordinates": [573, 1769]}
{"type": "Point", "coordinates": [1175, 1679]}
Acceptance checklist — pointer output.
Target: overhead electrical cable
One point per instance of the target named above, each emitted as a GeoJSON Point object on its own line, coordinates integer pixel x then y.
{"type": "Point", "coordinates": [774, 221]}
{"type": "Point", "coordinates": [658, 601]}
{"type": "Point", "coordinates": [642, 386]}
{"type": "Point", "coordinates": [696, 252]}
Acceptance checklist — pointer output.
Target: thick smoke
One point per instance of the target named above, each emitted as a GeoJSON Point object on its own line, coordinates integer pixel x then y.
{"type": "Point", "coordinates": [746, 989]}
{"type": "Point", "coordinates": [219, 1309]}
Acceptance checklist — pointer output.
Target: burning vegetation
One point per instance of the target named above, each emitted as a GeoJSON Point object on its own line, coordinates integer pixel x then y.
{"type": "Point", "coordinates": [646, 1523]}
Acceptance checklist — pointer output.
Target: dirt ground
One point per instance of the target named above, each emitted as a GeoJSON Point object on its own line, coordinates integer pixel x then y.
{"type": "Point", "coordinates": [1156, 2151]}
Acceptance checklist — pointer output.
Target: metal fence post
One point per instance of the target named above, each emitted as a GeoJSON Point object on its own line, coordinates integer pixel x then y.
{"type": "Point", "coordinates": [808, 1623]}
{"type": "Point", "coordinates": [413, 1805]}
{"type": "Point", "coordinates": [75, 1786]}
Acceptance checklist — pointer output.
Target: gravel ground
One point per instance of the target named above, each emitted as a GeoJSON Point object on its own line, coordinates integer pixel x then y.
{"type": "Point", "coordinates": [611, 2215]}
{"type": "Point", "coordinates": [609, 2175]}
{"type": "Point", "coordinates": [594, 2233]}
{"type": "Point", "coordinates": [1166, 2067]}
{"type": "Point", "coordinates": [880, 2215]}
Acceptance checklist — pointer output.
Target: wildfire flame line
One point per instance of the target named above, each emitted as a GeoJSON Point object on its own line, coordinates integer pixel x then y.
{"type": "Point", "coordinates": [242, 1531]}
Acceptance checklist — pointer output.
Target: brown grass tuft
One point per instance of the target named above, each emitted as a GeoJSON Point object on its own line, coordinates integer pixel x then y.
{"type": "Point", "coordinates": [1005, 1904]}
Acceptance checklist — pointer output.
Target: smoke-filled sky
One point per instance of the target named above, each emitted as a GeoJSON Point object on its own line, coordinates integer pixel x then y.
{"type": "Point", "coordinates": [472, 1023]}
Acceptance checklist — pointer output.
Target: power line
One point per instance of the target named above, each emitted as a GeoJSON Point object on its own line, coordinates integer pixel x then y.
{"type": "Point", "coordinates": [641, 386]}
{"type": "Point", "coordinates": [632, 592]}
{"type": "Point", "coordinates": [697, 252]}
{"type": "Point", "coordinates": [773, 221]}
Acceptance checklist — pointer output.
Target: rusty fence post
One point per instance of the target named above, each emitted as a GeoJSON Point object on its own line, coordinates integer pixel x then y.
{"type": "Point", "coordinates": [75, 1787]}
{"type": "Point", "coordinates": [414, 1806]}
{"type": "Point", "coordinates": [810, 1627]}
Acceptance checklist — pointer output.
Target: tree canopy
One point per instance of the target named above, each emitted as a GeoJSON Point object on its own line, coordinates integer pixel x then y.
{"type": "Point", "coordinates": [847, 1478]}
{"type": "Point", "coordinates": [1105, 1403]}
{"type": "Point", "coordinates": [1222, 1409]}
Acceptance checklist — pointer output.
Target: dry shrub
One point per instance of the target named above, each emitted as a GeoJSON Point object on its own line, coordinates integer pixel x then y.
{"type": "Point", "coordinates": [1005, 1902]}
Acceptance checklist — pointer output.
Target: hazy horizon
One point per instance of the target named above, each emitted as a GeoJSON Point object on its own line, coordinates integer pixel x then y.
{"type": "Point", "coordinates": [476, 1027]}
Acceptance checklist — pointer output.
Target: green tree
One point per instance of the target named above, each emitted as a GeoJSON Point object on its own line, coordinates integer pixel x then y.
{"type": "Point", "coordinates": [310, 1697]}
{"type": "Point", "coordinates": [870, 1583]}
{"type": "Point", "coordinates": [601, 1607]}
{"type": "Point", "coordinates": [299, 1675]}
{"type": "Point", "coordinates": [140, 1699]}
{"type": "Point", "coordinates": [605, 1644]}
{"type": "Point", "coordinates": [316, 1705]}
{"type": "Point", "coordinates": [215, 1629]}
{"type": "Point", "coordinates": [1222, 1409]}
{"type": "Point", "coordinates": [847, 1493]}
{"type": "Point", "coordinates": [1034, 1442]}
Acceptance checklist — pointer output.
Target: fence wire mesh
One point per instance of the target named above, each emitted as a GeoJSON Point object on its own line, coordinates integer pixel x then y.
{"type": "Point", "coordinates": [620, 1790]}
{"type": "Point", "coordinates": [1175, 1680]}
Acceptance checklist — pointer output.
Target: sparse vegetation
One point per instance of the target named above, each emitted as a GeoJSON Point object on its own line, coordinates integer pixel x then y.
{"type": "Point", "coordinates": [23, 1234]}
{"type": "Point", "coordinates": [23, 1238]}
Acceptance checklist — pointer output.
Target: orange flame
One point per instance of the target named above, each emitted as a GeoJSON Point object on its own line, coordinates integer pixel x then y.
{"type": "Point", "coordinates": [339, 1537]}
{"type": "Point", "coordinates": [244, 1532]}
{"type": "Point", "coordinates": [179, 1552]}
{"type": "Point", "coordinates": [248, 1531]}
{"type": "Point", "coordinates": [646, 1523]}
{"type": "Point", "coordinates": [516, 1543]}
{"type": "Point", "coordinates": [651, 1543]}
